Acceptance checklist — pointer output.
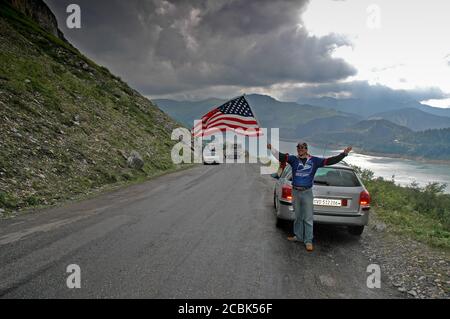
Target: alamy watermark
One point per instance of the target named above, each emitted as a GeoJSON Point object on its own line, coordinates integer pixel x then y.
{"type": "Point", "coordinates": [73, 21]}
{"type": "Point", "coordinates": [73, 281]}
{"type": "Point", "coordinates": [374, 279]}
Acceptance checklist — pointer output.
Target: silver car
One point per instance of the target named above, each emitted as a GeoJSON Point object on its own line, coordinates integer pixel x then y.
{"type": "Point", "coordinates": [340, 197]}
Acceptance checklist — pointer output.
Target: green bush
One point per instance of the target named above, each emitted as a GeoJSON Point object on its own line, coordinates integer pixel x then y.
{"type": "Point", "coordinates": [8, 201]}
{"type": "Point", "coordinates": [420, 212]}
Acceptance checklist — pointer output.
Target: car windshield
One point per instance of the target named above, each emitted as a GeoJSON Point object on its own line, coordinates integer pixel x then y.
{"type": "Point", "coordinates": [336, 177]}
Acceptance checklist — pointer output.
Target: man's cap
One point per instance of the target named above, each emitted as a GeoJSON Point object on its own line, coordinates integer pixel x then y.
{"type": "Point", "coordinates": [301, 143]}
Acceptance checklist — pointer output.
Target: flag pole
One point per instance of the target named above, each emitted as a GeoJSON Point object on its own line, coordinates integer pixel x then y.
{"type": "Point", "coordinates": [256, 117]}
{"type": "Point", "coordinates": [254, 113]}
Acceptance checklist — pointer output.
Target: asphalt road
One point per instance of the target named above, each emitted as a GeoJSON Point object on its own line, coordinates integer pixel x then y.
{"type": "Point", "coordinates": [208, 232]}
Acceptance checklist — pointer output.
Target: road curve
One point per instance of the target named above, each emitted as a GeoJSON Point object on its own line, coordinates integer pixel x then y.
{"type": "Point", "coordinates": [208, 232]}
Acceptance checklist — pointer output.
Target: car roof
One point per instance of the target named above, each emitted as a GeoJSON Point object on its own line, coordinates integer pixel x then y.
{"type": "Point", "coordinates": [342, 164]}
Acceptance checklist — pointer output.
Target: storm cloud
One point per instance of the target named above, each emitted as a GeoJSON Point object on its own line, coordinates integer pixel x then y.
{"type": "Point", "coordinates": [168, 47]}
{"type": "Point", "coordinates": [361, 90]}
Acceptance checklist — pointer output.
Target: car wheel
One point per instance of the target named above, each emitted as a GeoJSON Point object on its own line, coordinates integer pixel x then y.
{"type": "Point", "coordinates": [356, 230]}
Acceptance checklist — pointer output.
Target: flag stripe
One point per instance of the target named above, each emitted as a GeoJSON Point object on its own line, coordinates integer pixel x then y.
{"type": "Point", "coordinates": [218, 114]}
{"type": "Point", "coordinates": [198, 124]}
{"type": "Point", "coordinates": [236, 120]}
{"type": "Point", "coordinates": [232, 126]}
{"type": "Point", "coordinates": [235, 115]}
{"type": "Point", "coordinates": [243, 119]}
{"type": "Point", "coordinates": [231, 123]}
{"type": "Point", "coordinates": [251, 133]}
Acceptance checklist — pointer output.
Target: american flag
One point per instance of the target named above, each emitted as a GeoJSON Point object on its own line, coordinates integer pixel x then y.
{"type": "Point", "coordinates": [235, 115]}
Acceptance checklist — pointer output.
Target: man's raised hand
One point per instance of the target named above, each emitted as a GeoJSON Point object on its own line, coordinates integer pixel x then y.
{"type": "Point", "coordinates": [348, 150]}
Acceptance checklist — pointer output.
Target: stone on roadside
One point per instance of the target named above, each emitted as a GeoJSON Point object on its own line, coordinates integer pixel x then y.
{"type": "Point", "coordinates": [76, 120]}
{"type": "Point", "coordinates": [380, 227]}
{"type": "Point", "coordinates": [135, 160]}
{"type": "Point", "coordinates": [327, 281]}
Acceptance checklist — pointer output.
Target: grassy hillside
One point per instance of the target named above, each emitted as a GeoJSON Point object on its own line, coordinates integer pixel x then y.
{"type": "Point", "coordinates": [420, 213]}
{"type": "Point", "coordinates": [67, 125]}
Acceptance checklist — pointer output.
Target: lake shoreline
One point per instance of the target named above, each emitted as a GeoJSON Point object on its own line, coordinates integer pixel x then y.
{"type": "Point", "coordinates": [393, 156]}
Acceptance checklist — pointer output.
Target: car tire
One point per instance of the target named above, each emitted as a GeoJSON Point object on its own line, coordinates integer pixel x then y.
{"type": "Point", "coordinates": [356, 230]}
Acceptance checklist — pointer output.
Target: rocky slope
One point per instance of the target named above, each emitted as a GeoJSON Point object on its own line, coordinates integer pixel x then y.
{"type": "Point", "coordinates": [39, 13]}
{"type": "Point", "coordinates": [67, 125]}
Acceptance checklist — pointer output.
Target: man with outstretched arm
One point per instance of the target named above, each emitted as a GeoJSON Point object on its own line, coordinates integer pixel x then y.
{"type": "Point", "coordinates": [304, 167]}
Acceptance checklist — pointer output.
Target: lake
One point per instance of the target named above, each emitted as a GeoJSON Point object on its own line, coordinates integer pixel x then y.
{"type": "Point", "coordinates": [403, 171]}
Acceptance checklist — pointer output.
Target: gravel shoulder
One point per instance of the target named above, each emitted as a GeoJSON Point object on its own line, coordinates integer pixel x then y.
{"type": "Point", "coordinates": [415, 269]}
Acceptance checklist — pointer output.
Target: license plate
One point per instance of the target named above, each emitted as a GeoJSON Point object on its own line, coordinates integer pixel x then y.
{"type": "Point", "coordinates": [328, 202]}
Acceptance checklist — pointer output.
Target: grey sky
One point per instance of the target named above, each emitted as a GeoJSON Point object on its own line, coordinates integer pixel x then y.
{"type": "Point", "coordinates": [166, 47]}
{"type": "Point", "coordinates": [205, 48]}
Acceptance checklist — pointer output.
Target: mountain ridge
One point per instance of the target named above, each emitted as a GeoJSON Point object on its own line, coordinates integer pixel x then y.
{"type": "Point", "coordinates": [369, 107]}
{"type": "Point", "coordinates": [415, 119]}
{"type": "Point", "coordinates": [39, 12]}
{"type": "Point", "coordinates": [323, 126]}
{"type": "Point", "coordinates": [380, 136]}
{"type": "Point", "coordinates": [269, 111]}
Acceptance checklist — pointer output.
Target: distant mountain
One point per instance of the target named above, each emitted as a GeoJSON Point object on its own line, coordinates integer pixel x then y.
{"type": "Point", "coordinates": [385, 133]}
{"type": "Point", "coordinates": [327, 124]}
{"type": "Point", "coordinates": [290, 117]}
{"type": "Point", "coordinates": [364, 132]}
{"type": "Point", "coordinates": [434, 110]}
{"type": "Point", "coordinates": [186, 112]}
{"type": "Point", "coordinates": [372, 106]}
{"type": "Point", "coordinates": [382, 136]}
{"type": "Point", "coordinates": [414, 119]}
{"type": "Point", "coordinates": [434, 144]}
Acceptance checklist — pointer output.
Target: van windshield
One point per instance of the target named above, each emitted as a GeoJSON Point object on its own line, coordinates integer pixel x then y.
{"type": "Point", "coordinates": [336, 177]}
